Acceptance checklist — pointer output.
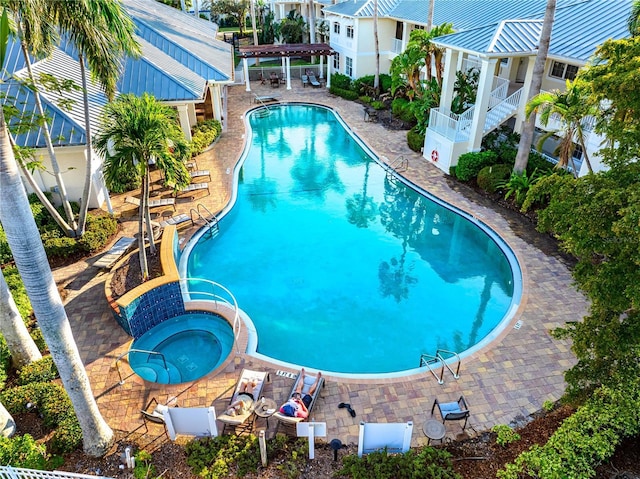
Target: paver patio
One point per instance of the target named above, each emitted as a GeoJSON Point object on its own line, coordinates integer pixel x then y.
{"type": "Point", "coordinates": [511, 377]}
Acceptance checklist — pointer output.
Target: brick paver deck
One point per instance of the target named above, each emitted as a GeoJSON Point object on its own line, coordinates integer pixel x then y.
{"type": "Point", "coordinates": [511, 377]}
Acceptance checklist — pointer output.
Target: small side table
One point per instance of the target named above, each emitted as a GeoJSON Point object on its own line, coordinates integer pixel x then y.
{"type": "Point", "coordinates": [265, 409]}
{"type": "Point", "coordinates": [434, 430]}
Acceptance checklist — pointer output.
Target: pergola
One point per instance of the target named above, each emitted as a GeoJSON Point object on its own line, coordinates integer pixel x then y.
{"type": "Point", "coordinates": [285, 52]}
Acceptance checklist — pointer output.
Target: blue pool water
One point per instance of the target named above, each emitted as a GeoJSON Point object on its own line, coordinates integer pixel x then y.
{"type": "Point", "coordinates": [341, 266]}
{"type": "Point", "coordinates": [192, 344]}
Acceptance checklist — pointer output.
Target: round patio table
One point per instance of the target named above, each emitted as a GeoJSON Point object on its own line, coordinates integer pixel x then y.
{"type": "Point", "coordinates": [434, 430]}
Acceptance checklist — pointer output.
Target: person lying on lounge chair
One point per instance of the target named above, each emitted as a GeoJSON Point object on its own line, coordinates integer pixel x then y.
{"type": "Point", "coordinates": [245, 398]}
{"type": "Point", "coordinates": [298, 405]}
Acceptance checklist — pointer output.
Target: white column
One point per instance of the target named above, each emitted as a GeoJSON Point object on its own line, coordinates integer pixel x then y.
{"type": "Point", "coordinates": [321, 66]}
{"type": "Point", "coordinates": [449, 77]}
{"type": "Point", "coordinates": [216, 101]}
{"type": "Point", "coordinates": [245, 69]}
{"type": "Point", "coordinates": [524, 96]}
{"type": "Point", "coordinates": [287, 61]}
{"type": "Point", "coordinates": [191, 110]}
{"type": "Point", "coordinates": [405, 36]}
{"type": "Point", "coordinates": [183, 116]}
{"type": "Point", "coordinates": [329, 68]}
{"type": "Point", "coordinates": [487, 69]}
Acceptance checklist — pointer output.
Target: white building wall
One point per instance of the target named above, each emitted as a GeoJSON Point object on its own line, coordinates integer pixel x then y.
{"type": "Point", "coordinates": [72, 162]}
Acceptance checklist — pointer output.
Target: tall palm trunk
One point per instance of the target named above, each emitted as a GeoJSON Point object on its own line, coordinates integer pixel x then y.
{"type": "Point", "coordinates": [526, 137]}
{"type": "Point", "coordinates": [21, 346]}
{"type": "Point", "coordinates": [69, 226]}
{"type": "Point", "coordinates": [7, 424]}
{"type": "Point", "coordinates": [252, 4]}
{"type": "Point", "coordinates": [88, 176]}
{"type": "Point", "coordinates": [31, 260]}
{"type": "Point", "coordinates": [376, 78]}
{"type": "Point", "coordinates": [312, 26]}
{"type": "Point", "coordinates": [430, 15]}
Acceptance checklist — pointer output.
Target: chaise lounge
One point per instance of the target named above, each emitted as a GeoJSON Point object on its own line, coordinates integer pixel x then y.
{"type": "Point", "coordinates": [288, 422]}
{"type": "Point", "coordinates": [244, 422]}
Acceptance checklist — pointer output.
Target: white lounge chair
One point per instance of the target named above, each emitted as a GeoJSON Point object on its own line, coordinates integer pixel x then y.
{"type": "Point", "coordinates": [195, 187]}
{"type": "Point", "coordinates": [152, 203]}
{"type": "Point", "coordinates": [114, 253]}
{"type": "Point", "coordinates": [312, 79]}
{"type": "Point", "coordinates": [244, 422]}
{"type": "Point", "coordinates": [289, 422]}
{"type": "Point", "coordinates": [189, 421]}
{"type": "Point", "coordinates": [200, 173]}
{"type": "Point", "coordinates": [174, 220]}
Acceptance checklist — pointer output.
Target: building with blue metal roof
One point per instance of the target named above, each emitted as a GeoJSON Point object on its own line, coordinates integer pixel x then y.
{"type": "Point", "coordinates": [498, 37]}
{"type": "Point", "coordinates": [182, 65]}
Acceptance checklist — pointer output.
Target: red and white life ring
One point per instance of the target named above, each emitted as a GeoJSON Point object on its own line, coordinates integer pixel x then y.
{"type": "Point", "coordinates": [434, 156]}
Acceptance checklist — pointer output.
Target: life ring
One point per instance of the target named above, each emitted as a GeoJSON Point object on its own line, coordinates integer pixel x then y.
{"type": "Point", "coordinates": [434, 156]}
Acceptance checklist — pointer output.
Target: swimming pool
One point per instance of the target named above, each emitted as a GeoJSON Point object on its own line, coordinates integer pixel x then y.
{"type": "Point", "coordinates": [341, 266]}
{"type": "Point", "coordinates": [181, 349]}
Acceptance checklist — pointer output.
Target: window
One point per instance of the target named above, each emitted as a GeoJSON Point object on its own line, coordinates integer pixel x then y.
{"type": "Point", "coordinates": [349, 31]}
{"type": "Point", "coordinates": [336, 62]}
{"type": "Point", "coordinates": [563, 71]}
{"type": "Point", "coordinates": [399, 30]}
{"type": "Point", "coordinates": [336, 28]}
{"type": "Point", "coordinates": [348, 66]}
{"type": "Point", "coordinates": [418, 27]}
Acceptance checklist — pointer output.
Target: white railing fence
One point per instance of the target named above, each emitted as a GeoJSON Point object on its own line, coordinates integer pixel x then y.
{"type": "Point", "coordinates": [8, 472]}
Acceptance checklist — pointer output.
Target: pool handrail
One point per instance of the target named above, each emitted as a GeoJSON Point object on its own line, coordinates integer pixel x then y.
{"type": "Point", "coordinates": [427, 360]}
{"type": "Point", "coordinates": [452, 354]}
{"type": "Point", "coordinates": [236, 323]}
{"type": "Point", "coordinates": [211, 223]}
{"type": "Point", "coordinates": [134, 350]}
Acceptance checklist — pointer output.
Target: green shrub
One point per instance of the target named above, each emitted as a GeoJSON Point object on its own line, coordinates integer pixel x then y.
{"type": "Point", "coordinates": [518, 184]}
{"type": "Point", "coordinates": [5, 251]}
{"type": "Point", "coordinates": [341, 82]}
{"type": "Point", "coordinates": [23, 451]}
{"type": "Point", "coordinates": [41, 371]}
{"type": "Point", "coordinates": [377, 105]}
{"type": "Point", "coordinates": [505, 435]}
{"type": "Point", "coordinates": [59, 246]}
{"type": "Point", "coordinates": [401, 108]}
{"type": "Point", "coordinates": [5, 362]}
{"type": "Point", "coordinates": [365, 99]}
{"type": "Point", "coordinates": [144, 469]}
{"type": "Point", "coordinates": [491, 177]}
{"type": "Point", "coordinates": [427, 464]}
{"type": "Point", "coordinates": [539, 162]}
{"type": "Point", "coordinates": [218, 456]}
{"type": "Point", "coordinates": [346, 94]}
{"type": "Point", "coordinates": [14, 281]}
{"type": "Point", "coordinates": [470, 164]}
{"type": "Point", "coordinates": [38, 338]}
{"type": "Point", "coordinates": [415, 140]}
{"type": "Point", "coordinates": [365, 83]}
{"type": "Point", "coordinates": [53, 404]}
{"type": "Point", "coordinates": [203, 134]}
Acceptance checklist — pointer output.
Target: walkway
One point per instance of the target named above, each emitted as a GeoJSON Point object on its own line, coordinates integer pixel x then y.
{"type": "Point", "coordinates": [510, 378]}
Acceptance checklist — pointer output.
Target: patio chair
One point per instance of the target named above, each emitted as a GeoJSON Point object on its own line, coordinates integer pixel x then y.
{"type": "Point", "coordinates": [200, 173]}
{"type": "Point", "coordinates": [194, 187]}
{"type": "Point", "coordinates": [132, 200]}
{"type": "Point", "coordinates": [312, 79]}
{"type": "Point", "coordinates": [288, 422]}
{"type": "Point", "coordinates": [305, 80]}
{"type": "Point", "coordinates": [453, 411]}
{"type": "Point", "coordinates": [244, 422]}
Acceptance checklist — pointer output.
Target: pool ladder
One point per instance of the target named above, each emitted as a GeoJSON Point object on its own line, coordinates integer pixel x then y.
{"type": "Point", "coordinates": [430, 361]}
{"type": "Point", "coordinates": [212, 222]}
{"type": "Point", "coordinates": [399, 164]}
{"type": "Point", "coordinates": [143, 351]}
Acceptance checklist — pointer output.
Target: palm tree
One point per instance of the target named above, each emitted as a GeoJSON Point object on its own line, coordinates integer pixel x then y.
{"type": "Point", "coordinates": [134, 132]}
{"type": "Point", "coordinates": [34, 30]}
{"type": "Point", "coordinates": [526, 137]}
{"type": "Point", "coordinates": [405, 68]}
{"type": "Point", "coordinates": [22, 347]}
{"type": "Point", "coordinates": [634, 18]}
{"type": "Point", "coordinates": [31, 261]}
{"type": "Point", "coordinates": [571, 108]}
{"type": "Point", "coordinates": [90, 25]}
